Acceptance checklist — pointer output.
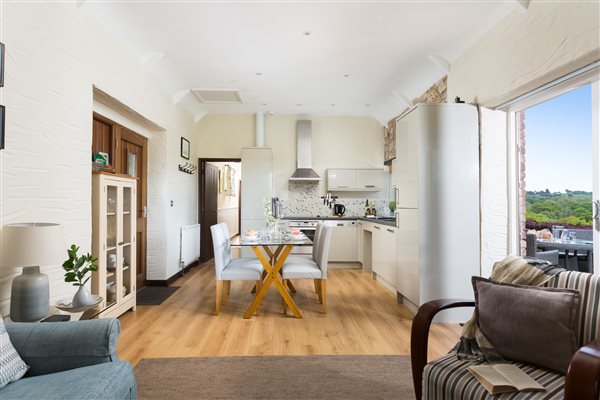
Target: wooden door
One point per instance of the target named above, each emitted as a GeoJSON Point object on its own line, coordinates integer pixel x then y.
{"type": "Point", "coordinates": [132, 160]}
{"type": "Point", "coordinates": [208, 208]}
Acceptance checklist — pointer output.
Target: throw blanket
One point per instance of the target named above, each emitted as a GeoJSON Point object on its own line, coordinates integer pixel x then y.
{"type": "Point", "coordinates": [473, 344]}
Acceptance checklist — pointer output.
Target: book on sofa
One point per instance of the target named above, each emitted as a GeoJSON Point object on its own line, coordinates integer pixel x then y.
{"type": "Point", "coordinates": [501, 378]}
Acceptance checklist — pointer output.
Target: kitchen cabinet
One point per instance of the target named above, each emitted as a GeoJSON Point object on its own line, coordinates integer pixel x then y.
{"type": "Point", "coordinates": [341, 179]}
{"type": "Point", "coordinates": [113, 241]}
{"type": "Point", "coordinates": [359, 240]}
{"type": "Point", "coordinates": [356, 180]}
{"type": "Point", "coordinates": [256, 185]}
{"type": "Point", "coordinates": [343, 246]}
{"type": "Point", "coordinates": [370, 179]}
{"type": "Point", "coordinates": [438, 208]}
{"type": "Point", "coordinates": [384, 253]}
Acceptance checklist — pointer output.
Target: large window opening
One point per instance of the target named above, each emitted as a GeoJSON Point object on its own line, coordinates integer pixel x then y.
{"type": "Point", "coordinates": [558, 158]}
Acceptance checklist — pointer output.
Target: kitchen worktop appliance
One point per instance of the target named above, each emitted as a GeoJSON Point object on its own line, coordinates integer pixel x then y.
{"type": "Point", "coordinates": [339, 209]}
{"type": "Point", "coordinates": [308, 227]}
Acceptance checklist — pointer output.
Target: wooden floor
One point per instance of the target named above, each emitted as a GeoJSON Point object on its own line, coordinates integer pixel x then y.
{"type": "Point", "coordinates": [363, 318]}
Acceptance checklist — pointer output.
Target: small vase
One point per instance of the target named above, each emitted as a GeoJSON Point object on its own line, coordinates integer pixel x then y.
{"type": "Point", "coordinates": [83, 297]}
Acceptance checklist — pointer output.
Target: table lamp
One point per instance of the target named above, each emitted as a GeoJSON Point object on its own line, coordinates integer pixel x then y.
{"type": "Point", "coordinates": [28, 246]}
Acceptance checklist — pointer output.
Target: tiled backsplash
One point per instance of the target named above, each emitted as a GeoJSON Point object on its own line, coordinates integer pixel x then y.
{"type": "Point", "coordinates": [305, 200]}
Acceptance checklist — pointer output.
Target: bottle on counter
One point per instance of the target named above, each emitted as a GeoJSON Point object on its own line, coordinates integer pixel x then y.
{"type": "Point", "coordinates": [373, 210]}
{"type": "Point", "coordinates": [367, 209]}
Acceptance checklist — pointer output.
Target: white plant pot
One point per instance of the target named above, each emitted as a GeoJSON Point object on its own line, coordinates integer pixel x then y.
{"type": "Point", "coordinates": [83, 297]}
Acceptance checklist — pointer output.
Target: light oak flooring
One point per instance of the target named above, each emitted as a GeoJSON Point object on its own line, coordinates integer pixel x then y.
{"type": "Point", "coordinates": [363, 318]}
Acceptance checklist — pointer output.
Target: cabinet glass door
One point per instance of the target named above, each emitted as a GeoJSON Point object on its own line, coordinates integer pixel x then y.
{"type": "Point", "coordinates": [111, 241]}
{"type": "Point", "coordinates": [127, 243]}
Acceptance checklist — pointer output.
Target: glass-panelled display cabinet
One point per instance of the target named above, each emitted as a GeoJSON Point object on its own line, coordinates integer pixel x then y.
{"type": "Point", "coordinates": [113, 241]}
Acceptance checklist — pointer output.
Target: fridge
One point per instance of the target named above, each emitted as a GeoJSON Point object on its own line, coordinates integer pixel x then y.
{"type": "Point", "coordinates": [256, 185]}
{"type": "Point", "coordinates": [437, 205]}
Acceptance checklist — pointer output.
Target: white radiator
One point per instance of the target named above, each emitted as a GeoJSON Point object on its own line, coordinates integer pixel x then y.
{"type": "Point", "coordinates": [189, 248]}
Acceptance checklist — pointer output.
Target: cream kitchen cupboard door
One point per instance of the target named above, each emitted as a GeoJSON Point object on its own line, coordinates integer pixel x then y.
{"type": "Point", "coordinates": [343, 246]}
{"type": "Point", "coordinates": [384, 254]}
{"type": "Point", "coordinates": [113, 241]}
{"type": "Point", "coordinates": [373, 179]}
{"type": "Point", "coordinates": [341, 179]}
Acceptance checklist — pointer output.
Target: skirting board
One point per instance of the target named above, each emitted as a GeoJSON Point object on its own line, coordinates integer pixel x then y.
{"type": "Point", "coordinates": [343, 264]}
{"type": "Point", "coordinates": [168, 282]}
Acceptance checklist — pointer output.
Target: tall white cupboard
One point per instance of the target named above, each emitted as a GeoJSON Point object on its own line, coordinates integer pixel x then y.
{"type": "Point", "coordinates": [257, 185]}
{"type": "Point", "coordinates": [437, 200]}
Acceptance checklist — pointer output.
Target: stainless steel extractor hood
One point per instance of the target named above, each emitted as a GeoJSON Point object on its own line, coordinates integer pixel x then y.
{"type": "Point", "coordinates": [304, 171]}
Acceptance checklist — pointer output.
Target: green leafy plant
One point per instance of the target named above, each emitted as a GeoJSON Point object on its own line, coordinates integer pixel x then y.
{"type": "Point", "coordinates": [392, 206]}
{"type": "Point", "coordinates": [78, 267]}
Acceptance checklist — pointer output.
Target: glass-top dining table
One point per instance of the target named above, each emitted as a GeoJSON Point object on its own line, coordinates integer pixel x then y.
{"type": "Point", "coordinates": [575, 246]}
{"type": "Point", "coordinates": [272, 251]}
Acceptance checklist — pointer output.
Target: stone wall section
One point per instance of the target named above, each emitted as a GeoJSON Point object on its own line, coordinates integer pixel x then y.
{"type": "Point", "coordinates": [437, 93]}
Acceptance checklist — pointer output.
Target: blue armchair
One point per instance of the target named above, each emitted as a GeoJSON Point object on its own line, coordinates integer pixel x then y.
{"type": "Point", "coordinates": [70, 360]}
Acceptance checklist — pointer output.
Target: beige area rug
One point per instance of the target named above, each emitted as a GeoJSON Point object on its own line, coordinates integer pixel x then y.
{"type": "Point", "coordinates": [271, 377]}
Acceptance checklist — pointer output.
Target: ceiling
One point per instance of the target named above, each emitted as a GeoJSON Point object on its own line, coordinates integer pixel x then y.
{"type": "Point", "coordinates": [291, 57]}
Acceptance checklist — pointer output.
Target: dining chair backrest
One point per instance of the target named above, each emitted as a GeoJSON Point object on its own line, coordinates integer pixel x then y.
{"type": "Point", "coordinates": [221, 248]}
{"type": "Point", "coordinates": [315, 249]}
{"type": "Point", "coordinates": [323, 249]}
{"type": "Point", "coordinates": [531, 244]}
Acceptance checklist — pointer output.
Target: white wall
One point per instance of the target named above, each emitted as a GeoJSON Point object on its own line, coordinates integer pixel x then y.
{"type": "Point", "coordinates": [526, 50]}
{"type": "Point", "coordinates": [55, 52]}
{"type": "Point", "coordinates": [337, 142]}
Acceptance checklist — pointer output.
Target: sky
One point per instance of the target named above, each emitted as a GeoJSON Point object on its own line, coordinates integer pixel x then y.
{"type": "Point", "coordinates": [558, 140]}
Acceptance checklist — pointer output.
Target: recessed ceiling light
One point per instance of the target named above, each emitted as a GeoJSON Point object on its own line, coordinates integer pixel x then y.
{"type": "Point", "coordinates": [346, 75]}
{"type": "Point", "coordinates": [367, 105]}
{"type": "Point", "coordinates": [332, 105]}
{"type": "Point", "coordinates": [264, 104]}
{"type": "Point", "coordinates": [298, 104]}
{"type": "Point", "coordinates": [259, 73]}
{"type": "Point", "coordinates": [307, 33]}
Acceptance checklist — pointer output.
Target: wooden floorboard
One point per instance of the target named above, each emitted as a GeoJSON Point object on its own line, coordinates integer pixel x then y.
{"type": "Point", "coordinates": [363, 318]}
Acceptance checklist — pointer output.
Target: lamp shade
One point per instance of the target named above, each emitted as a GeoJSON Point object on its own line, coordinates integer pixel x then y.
{"type": "Point", "coordinates": [32, 244]}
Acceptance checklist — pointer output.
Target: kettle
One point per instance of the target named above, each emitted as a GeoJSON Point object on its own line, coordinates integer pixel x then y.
{"type": "Point", "coordinates": [339, 209]}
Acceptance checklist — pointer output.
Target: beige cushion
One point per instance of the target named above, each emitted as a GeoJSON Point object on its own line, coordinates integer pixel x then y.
{"type": "Point", "coordinates": [537, 325]}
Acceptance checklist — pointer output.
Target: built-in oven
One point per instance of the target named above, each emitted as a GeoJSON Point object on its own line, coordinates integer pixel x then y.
{"type": "Point", "coordinates": [308, 227]}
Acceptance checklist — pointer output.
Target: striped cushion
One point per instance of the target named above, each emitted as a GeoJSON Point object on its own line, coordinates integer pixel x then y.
{"type": "Point", "coordinates": [588, 286]}
{"type": "Point", "coordinates": [447, 378]}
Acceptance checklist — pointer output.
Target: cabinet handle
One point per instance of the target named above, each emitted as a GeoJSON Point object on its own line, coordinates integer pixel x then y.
{"type": "Point", "coordinates": [390, 231]}
{"type": "Point", "coordinates": [343, 186]}
{"type": "Point", "coordinates": [121, 243]}
{"type": "Point", "coordinates": [370, 186]}
{"type": "Point", "coordinates": [340, 224]}
{"type": "Point", "coordinates": [376, 227]}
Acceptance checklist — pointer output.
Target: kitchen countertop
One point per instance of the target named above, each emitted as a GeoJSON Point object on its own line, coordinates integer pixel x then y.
{"type": "Point", "coordinates": [344, 218]}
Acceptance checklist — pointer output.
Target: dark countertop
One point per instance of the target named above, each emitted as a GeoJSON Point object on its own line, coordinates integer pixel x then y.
{"type": "Point", "coordinates": [344, 218]}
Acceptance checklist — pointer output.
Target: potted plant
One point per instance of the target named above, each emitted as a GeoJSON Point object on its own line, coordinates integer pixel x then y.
{"type": "Point", "coordinates": [77, 267]}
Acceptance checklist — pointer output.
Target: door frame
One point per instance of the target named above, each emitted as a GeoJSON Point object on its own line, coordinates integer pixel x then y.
{"type": "Point", "coordinates": [201, 189]}
{"type": "Point", "coordinates": [142, 141]}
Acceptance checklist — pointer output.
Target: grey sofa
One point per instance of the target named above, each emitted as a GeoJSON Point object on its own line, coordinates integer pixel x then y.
{"type": "Point", "coordinates": [70, 360]}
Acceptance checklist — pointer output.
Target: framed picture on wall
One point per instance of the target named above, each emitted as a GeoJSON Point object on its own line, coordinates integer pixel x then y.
{"type": "Point", "coordinates": [185, 148]}
{"type": "Point", "coordinates": [2, 110]}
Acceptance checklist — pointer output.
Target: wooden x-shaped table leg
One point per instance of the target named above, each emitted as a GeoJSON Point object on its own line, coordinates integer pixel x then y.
{"type": "Point", "coordinates": [272, 266]}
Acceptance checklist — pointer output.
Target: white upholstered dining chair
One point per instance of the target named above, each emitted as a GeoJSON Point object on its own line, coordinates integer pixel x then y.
{"type": "Point", "coordinates": [228, 269]}
{"type": "Point", "coordinates": [312, 267]}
